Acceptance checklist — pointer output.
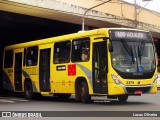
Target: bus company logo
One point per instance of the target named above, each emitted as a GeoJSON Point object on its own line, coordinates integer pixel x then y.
{"type": "Point", "coordinates": [139, 82]}
{"type": "Point", "coordinates": [6, 114]}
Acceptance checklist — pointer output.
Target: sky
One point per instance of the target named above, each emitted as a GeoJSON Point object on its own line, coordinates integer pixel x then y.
{"type": "Point", "coordinates": [153, 4]}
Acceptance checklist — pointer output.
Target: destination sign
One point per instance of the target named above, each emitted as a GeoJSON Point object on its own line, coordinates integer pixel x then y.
{"type": "Point", "coordinates": [130, 35]}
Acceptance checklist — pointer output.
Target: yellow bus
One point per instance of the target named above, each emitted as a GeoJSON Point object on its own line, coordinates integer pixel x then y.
{"type": "Point", "coordinates": [112, 62]}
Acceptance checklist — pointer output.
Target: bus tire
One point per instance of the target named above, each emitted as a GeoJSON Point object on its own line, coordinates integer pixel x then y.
{"type": "Point", "coordinates": [28, 90]}
{"type": "Point", "coordinates": [123, 98]}
{"type": "Point", "coordinates": [85, 97]}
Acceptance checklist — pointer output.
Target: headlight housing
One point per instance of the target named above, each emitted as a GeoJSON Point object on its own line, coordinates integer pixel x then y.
{"type": "Point", "coordinates": [116, 80]}
{"type": "Point", "coordinates": [156, 78]}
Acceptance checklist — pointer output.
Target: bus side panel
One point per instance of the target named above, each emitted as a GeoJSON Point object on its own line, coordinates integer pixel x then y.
{"type": "Point", "coordinates": [8, 71]}
{"type": "Point", "coordinates": [31, 73]}
{"type": "Point", "coordinates": [8, 79]}
{"type": "Point", "coordinates": [60, 81]}
{"type": "Point", "coordinates": [65, 75]}
{"type": "Point", "coordinates": [84, 71]}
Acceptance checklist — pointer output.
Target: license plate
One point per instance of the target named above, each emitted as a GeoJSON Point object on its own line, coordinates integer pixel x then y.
{"type": "Point", "coordinates": [138, 92]}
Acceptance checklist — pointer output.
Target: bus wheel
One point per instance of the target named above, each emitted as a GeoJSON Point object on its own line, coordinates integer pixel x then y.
{"type": "Point", "coordinates": [28, 90]}
{"type": "Point", "coordinates": [123, 98]}
{"type": "Point", "coordinates": [85, 97]}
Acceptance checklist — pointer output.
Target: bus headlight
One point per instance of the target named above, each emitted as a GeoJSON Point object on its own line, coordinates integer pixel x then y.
{"type": "Point", "coordinates": [156, 78]}
{"type": "Point", "coordinates": [116, 80]}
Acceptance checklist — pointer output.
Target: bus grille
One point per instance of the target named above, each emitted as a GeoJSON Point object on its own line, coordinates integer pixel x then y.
{"type": "Point", "coordinates": [131, 90]}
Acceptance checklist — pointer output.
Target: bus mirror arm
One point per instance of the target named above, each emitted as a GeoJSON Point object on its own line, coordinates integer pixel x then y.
{"type": "Point", "coordinates": [110, 43]}
{"type": "Point", "coordinates": [110, 46]}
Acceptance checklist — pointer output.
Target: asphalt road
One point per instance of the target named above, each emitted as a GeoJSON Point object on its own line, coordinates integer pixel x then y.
{"type": "Point", "coordinates": [149, 102]}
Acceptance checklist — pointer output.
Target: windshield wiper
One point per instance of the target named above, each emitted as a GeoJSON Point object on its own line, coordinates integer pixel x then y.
{"type": "Point", "coordinates": [128, 49]}
{"type": "Point", "coordinates": [140, 50]}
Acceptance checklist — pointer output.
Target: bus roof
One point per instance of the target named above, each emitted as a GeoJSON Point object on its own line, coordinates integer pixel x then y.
{"type": "Point", "coordinates": [101, 31]}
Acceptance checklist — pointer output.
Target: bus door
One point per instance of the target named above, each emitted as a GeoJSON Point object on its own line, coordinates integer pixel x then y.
{"type": "Point", "coordinates": [18, 71]}
{"type": "Point", "coordinates": [100, 67]}
{"type": "Point", "coordinates": [44, 70]}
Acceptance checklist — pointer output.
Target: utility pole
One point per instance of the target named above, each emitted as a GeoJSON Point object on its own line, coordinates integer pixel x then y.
{"type": "Point", "coordinates": [135, 13]}
{"type": "Point", "coordinates": [89, 10]}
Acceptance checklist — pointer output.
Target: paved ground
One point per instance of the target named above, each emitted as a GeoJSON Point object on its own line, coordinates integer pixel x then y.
{"type": "Point", "coordinates": [10, 102]}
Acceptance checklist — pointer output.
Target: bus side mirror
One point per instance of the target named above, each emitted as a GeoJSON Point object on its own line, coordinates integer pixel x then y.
{"type": "Point", "coordinates": [110, 46]}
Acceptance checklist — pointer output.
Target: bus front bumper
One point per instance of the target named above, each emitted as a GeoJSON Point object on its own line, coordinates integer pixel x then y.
{"type": "Point", "coordinates": [121, 89]}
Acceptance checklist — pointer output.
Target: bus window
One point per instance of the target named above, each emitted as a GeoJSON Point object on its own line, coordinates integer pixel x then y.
{"type": "Point", "coordinates": [32, 56]}
{"type": "Point", "coordinates": [81, 50]}
{"type": "Point", "coordinates": [8, 59]}
{"type": "Point", "coordinates": [62, 52]}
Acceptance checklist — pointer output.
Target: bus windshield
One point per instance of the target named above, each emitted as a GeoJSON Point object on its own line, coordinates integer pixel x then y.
{"type": "Point", "coordinates": [133, 56]}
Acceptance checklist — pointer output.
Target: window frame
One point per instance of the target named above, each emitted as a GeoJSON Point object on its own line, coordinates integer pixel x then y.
{"type": "Point", "coordinates": [33, 56]}
{"type": "Point", "coordinates": [8, 62]}
{"type": "Point", "coordinates": [88, 43]}
{"type": "Point", "coordinates": [58, 57]}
